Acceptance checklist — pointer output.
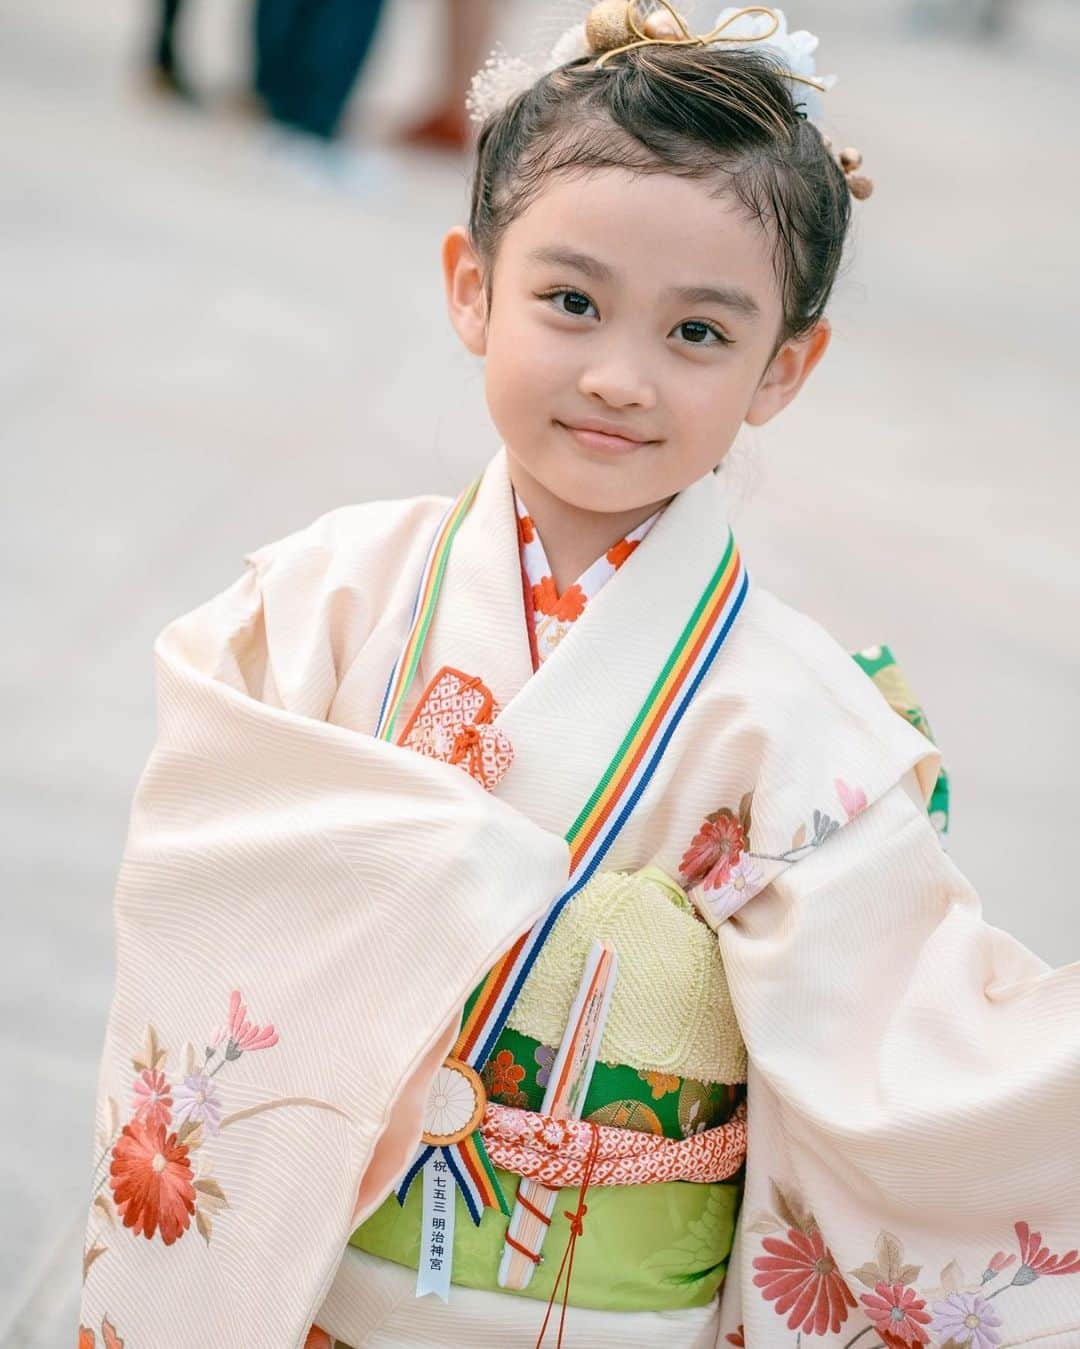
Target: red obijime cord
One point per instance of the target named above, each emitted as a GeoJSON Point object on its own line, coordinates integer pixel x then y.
{"type": "Point", "coordinates": [577, 1221]}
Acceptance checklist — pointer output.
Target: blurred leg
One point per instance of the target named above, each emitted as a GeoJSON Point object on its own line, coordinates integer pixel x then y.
{"type": "Point", "coordinates": [325, 48]}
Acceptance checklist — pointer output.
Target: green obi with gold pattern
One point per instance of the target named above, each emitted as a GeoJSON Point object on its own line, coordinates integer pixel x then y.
{"type": "Point", "coordinates": [671, 1062]}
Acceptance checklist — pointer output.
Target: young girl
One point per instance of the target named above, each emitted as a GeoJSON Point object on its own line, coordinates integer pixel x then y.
{"type": "Point", "coordinates": [450, 799]}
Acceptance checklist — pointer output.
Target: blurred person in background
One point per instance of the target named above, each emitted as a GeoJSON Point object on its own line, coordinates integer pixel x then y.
{"type": "Point", "coordinates": [166, 74]}
{"type": "Point", "coordinates": [308, 54]}
{"type": "Point", "coordinates": [446, 127]}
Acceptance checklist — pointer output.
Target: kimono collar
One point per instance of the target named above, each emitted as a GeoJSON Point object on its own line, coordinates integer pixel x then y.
{"type": "Point", "coordinates": [592, 686]}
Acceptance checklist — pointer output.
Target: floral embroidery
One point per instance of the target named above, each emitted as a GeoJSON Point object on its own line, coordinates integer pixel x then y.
{"type": "Point", "coordinates": [619, 552]}
{"type": "Point", "coordinates": [109, 1338]}
{"type": "Point", "coordinates": [502, 1076]}
{"type": "Point", "coordinates": [796, 1274]}
{"type": "Point", "coordinates": [151, 1180]}
{"type": "Point", "coordinates": [801, 1277]}
{"type": "Point", "coordinates": [157, 1180]}
{"type": "Point", "coordinates": [716, 847]}
{"type": "Point", "coordinates": [967, 1319]}
{"type": "Point", "coordinates": [853, 799]}
{"type": "Point", "coordinates": [721, 861]}
{"type": "Point", "coordinates": [151, 1101]}
{"type": "Point", "coordinates": [662, 1084]}
{"type": "Point", "coordinates": [526, 529]}
{"type": "Point", "coordinates": [737, 1337]}
{"type": "Point", "coordinates": [897, 1313]}
{"type": "Point", "coordinates": [545, 1057]}
{"type": "Point", "coordinates": [317, 1338]}
{"type": "Point", "coordinates": [1036, 1260]}
{"type": "Point", "coordinates": [198, 1100]}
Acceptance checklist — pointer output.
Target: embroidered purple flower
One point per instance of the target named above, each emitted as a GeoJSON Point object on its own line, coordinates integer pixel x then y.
{"type": "Point", "coordinates": [150, 1099]}
{"type": "Point", "coordinates": [198, 1101]}
{"type": "Point", "coordinates": [545, 1057]}
{"type": "Point", "coordinates": [967, 1319]}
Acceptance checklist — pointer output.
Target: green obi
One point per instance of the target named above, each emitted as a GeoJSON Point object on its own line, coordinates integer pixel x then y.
{"type": "Point", "coordinates": [671, 1063]}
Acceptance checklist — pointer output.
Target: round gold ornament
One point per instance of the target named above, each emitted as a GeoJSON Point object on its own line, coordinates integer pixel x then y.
{"type": "Point", "coordinates": [859, 185]}
{"type": "Point", "coordinates": [850, 159]}
{"type": "Point", "coordinates": [606, 26]}
{"type": "Point", "coordinates": [455, 1104]}
{"type": "Point", "coordinates": [662, 26]}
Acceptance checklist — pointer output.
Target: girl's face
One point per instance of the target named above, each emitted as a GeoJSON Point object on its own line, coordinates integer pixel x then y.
{"type": "Point", "coordinates": [632, 329]}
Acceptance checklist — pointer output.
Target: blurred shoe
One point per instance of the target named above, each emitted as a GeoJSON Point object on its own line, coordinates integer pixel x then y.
{"type": "Point", "coordinates": [362, 173]}
{"type": "Point", "coordinates": [168, 81]}
{"type": "Point", "coordinates": [446, 129]}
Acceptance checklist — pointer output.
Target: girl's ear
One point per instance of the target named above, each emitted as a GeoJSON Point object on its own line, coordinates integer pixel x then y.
{"type": "Point", "coordinates": [787, 373]}
{"type": "Point", "coordinates": [465, 297]}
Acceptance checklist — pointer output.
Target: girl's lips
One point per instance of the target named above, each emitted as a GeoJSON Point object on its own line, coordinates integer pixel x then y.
{"type": "Point", "coordinates": [602, 440]}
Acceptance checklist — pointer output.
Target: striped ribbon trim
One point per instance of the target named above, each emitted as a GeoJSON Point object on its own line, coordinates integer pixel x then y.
{"type": "Point", "coordinates": [427, 596]}
{"type": "Point", "coordinates": [592, 833]}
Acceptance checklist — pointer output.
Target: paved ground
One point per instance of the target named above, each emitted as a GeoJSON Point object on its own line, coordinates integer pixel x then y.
{"type": "Point", "coordinates": [203, 349]}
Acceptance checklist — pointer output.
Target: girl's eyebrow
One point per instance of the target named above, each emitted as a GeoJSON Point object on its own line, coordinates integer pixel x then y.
{"type": "Point", "coordinates": [730, 297]}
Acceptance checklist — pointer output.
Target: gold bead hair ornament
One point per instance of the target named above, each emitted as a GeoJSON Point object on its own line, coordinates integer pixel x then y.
{"type": "Point", "coordinates": [612, 27]}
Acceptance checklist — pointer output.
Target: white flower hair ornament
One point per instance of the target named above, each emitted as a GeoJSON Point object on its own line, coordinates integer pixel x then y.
{"type": "Point", "coordinates": [615, 26]}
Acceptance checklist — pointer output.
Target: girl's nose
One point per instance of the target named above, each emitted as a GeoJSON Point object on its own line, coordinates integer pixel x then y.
{"type": "Point", "coordinates": [617, 380]}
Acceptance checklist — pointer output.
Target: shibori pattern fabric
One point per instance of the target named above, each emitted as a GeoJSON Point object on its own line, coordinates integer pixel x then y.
{"type": "Point", "coordinates": [913, 1071]}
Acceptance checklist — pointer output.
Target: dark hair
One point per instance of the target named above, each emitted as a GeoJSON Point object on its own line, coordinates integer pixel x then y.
{"type": "Point", "coordinates": [698, 112]}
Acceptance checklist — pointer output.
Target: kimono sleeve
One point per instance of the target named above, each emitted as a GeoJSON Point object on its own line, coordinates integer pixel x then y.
{"type": "Point", "coordinates": [914, 1087]}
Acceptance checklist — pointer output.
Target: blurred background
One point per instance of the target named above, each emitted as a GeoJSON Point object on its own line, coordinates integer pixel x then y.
{"type": "Point", "coordinates": [222, 316]}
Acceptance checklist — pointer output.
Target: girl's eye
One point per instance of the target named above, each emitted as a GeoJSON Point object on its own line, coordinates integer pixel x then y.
{"type": "Point", "coordinates": [702, 334]}
{"type": "Point", "coordinates": [570, 302]}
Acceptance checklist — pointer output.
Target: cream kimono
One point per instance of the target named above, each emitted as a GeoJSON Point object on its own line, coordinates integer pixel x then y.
{"type": "Point", "coordinates": [303, 910]}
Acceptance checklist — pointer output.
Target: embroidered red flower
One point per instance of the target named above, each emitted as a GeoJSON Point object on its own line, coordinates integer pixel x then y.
{"type": "Point", "coordinates": [619, 552]}
{"type": "Point", "coordinates": [737, 1337]}
{"type": "Point", "coordinates": [1036, 1260]}
{"type": "Point", "coordinates": [715, 849]}
{"type": "Point", "coordinates": [801, 1277]}
{"type": "Point", "coordinates": [526, 529]}
{"type": "Point", "coordinates": [110, 1338]}
{"type": "Point", "coordinates": [897, 1313]}
{"type": "Point", "coordinates": [317, 1338]}
{"type": "Point", "coordinates": [152, 1100]}
{"type": "Point", "coordinates": [506, 1075]}
{"type": "Point", "coordinates": [567, 607]}
{"type": "Point", "coordinates": [151, 1179]}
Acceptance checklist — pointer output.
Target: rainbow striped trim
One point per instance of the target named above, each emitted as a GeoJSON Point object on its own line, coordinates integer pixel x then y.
{"type": "Point", "coordinates": [590, 837]}
{"type": "Point", "coordinates": [423, 610]}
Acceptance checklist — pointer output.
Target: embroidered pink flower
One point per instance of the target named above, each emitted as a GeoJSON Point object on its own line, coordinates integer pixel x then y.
{"type": "Point", "coordinates": [714, 850]}
{"type": "Point", "coordinates": [853, 799]}
{"type": "Point", "coordinates": [998, 1262]}
{"type": "Point", "coordinates": [197, 1100]}
{"type": "Point", "coordinates": [967, 1319]}
{"type": "Point", "coordinates": [243, 1035]}
{"type": "Point", "coordinates": [151, 1179]}
{"type": "Point", "coordinates": [743, 882]}
{"type": "Point", "coordinates": [554, 1133]}
{"type": "Point", "coordinates": [897, 1313]}
{"type": "Point", "coordinates": [150, 1099]}
{"type": "Point", "coordinates": [801, 1277]}
{"type": "Point", "coordinates": [1036, 1259]}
